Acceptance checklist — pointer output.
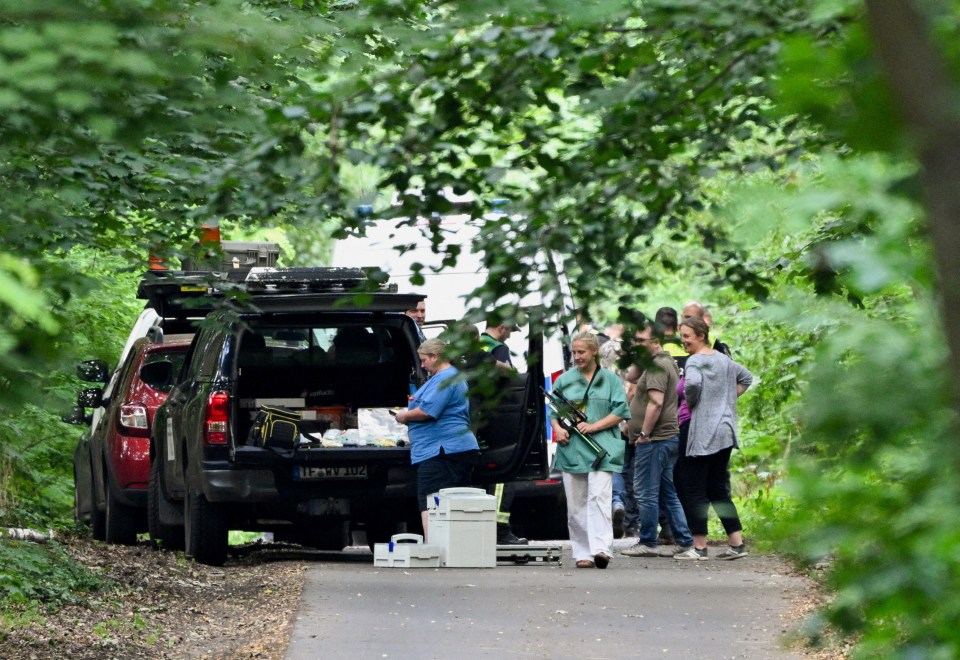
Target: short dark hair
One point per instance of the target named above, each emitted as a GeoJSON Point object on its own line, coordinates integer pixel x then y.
{"type": "Point", "coordinates": [656, 330]}
{"type": "Point", "coordinates": [667, 318]}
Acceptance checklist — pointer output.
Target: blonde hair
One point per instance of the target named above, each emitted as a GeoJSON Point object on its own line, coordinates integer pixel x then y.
{"type": "Point", "coordinates": [590, 339]}
{"type": "Point", "coordinates": [432, 347]}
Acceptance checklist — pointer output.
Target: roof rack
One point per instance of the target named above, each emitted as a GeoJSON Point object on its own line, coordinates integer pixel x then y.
{"type": "Point", "coordinates": [312, 279]}
{"type": "Point", "coordinates": [184, 294]}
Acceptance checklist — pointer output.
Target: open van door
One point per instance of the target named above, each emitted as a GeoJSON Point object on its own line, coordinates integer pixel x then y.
{"type": "Point", "coordinates": [511, 424]}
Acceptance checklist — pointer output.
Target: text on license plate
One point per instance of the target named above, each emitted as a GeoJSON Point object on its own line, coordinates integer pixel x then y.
{"type": "Point", "coordinates": [339, 472]}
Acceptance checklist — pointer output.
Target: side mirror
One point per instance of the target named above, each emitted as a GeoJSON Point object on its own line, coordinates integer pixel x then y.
{"type": "Point", "coordinates": [158, 375]}
{"type": "Point", "coordinates": [90, 398]}
{"type": "Point", "coordinates": [76, 416]}
{"type": "Point", "coordinates": [93, 371]}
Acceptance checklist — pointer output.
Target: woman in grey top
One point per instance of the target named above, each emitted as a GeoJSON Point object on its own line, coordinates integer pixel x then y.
{"type": "Point", "coordinates": [713, 384]}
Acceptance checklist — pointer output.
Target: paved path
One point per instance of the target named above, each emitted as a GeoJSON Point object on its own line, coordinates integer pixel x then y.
{"type": "Point", "coordinates": [636, 608]}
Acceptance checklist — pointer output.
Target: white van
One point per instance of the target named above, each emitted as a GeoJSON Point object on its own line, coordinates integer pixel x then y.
{"type": "Point", "coordinates": [449, 291]}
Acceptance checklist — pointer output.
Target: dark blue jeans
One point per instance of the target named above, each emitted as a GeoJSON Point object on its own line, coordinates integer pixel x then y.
{"type": "Point", "coordinates": [623, 490]}
{"type": "Point", "coordinates": [653, 485]}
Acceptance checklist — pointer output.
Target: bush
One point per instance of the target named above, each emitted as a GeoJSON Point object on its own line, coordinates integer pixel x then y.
{"type": "Point", "coordinates": [42, 574]}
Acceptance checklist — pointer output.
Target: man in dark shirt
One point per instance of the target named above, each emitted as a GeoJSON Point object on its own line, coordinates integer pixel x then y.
{"type": "Point", "coordinates": [654, 431]}
{"type": "Point", "coordinates": [419, 314]}
{"type": "Point", "coordinates": [493, 340]}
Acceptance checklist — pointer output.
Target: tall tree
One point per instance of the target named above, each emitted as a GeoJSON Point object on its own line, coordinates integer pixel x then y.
{"type": "Point", "coordinates": [124, 124]}
{"type": "Point", "coordinates": [596, 121]}
{"type": "Point", "coordinates": [925, 91]}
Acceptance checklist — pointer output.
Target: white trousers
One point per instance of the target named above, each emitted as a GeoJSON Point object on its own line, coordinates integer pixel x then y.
{"type": "Point", "coordinates": [589, 521]}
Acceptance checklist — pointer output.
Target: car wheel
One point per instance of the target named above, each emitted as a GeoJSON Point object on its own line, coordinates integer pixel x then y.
{"type": "Point", "coordinates": [98, 519]}
{"type": "Point", "coordinates": [121, 520]}
{"type": "Point", "coordinates": [205, 529]}
{"type": "Point", "coordinates": [162, 537]}
{"type": "Point", "coordinates": [78, 514]}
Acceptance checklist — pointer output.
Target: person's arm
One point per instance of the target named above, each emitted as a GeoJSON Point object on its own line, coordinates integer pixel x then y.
{"type": "Point", "coordinates": [607, 422]}
{"type": "Point", "coordinates": [415, 415]}
{"type": "Point", "coordinates": [502, 355]}
{"type": "Point", "coordinates": [560, 434]}
{"type": "Point", "coordinates": [631, 376]}
{"type": "Point", "coordinates": [694, 383]}
{"type": "Point", "coordinates": [744, 379]}
{"type": "Point", "coordinates": [651, 414]}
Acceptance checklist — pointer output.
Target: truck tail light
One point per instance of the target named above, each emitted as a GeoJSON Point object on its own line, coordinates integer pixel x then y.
{"type": "Point", "coordinates": [133, 419]}
{"type": "Point", "coordinates": [217, 419]}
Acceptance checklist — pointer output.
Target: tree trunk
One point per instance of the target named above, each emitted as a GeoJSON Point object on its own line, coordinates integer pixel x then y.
{"type": "Point", "coordinates": [930, 104]}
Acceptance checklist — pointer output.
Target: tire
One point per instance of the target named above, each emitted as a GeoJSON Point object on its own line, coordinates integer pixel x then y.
{"type": "Point", "coordinates": [77, 513]}
{"type": "Point", "coordinates": [205, 529]}
{"type": "Point", "coordinates": [122, 520]}
{"type": "Point", "coordinates": [162, 537]}
{"type": "Point", "coordinates": [98, 518]}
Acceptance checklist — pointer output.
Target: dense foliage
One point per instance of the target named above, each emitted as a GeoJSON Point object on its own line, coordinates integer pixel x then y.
{"type": "Point", "coordinates": [124, 124]}
{"type": "Point", "coordinates": [45, 574]}
{"type": "Point", "coordinates": [745, 153]}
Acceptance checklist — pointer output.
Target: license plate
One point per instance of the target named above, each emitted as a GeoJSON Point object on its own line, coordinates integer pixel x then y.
{"type": "Point", "coordinates": [338, 472]}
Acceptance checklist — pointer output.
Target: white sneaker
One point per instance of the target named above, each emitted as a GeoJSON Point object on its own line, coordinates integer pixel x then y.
{"type": "Point", "coordinates": [733, 552]}
{"type": "Point", "coordinates": [640, 550]}
{"type": "Point", "coordinates": [695, 554]}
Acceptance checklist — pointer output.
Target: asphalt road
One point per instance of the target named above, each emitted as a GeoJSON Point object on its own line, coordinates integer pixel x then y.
{"type": "Point", "coordinates": [636, 608]}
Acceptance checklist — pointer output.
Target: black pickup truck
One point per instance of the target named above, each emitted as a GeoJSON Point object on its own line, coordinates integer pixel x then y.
{"type": "Point", "coordinates": [306, 339]}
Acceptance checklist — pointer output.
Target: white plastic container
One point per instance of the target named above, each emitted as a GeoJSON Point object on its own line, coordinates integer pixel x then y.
{"type": "Point", "coordinates": [463, 524]}
{"type": "Point", "coordinates": [406, 551]}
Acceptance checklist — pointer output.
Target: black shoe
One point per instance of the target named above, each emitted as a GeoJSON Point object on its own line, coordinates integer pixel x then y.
{"type": "Point", "coordinates": [505, 536]}
{"type": "Point", "coordinates": [618, 515]}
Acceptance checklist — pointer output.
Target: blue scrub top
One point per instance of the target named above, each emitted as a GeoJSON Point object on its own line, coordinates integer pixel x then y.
{"type": "Point", "coordinates": [444, 398]}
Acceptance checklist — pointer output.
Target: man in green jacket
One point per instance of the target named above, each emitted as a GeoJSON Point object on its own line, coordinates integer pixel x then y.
{"type": "Point", "coordinates": [493, 339]}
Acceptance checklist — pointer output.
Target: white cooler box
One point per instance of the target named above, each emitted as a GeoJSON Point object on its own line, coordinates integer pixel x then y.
{"type": "Point", "coordinates": [463, 524]}
{"type": "Point", "coordinates": [406, 551]}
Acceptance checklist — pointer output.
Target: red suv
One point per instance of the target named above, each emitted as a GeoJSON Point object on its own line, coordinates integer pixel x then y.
{"type": "Point", "coordinates": [112, 464]}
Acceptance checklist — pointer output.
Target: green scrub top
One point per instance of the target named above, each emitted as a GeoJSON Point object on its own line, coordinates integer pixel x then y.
{"type": "Point", "coordinates": [606, 396]}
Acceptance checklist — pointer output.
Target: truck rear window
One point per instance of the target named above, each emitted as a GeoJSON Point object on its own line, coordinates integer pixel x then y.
{"type": "Point", "coordinates": [349, 365]}
{"type": "Point", "coordinates": [347, 345]}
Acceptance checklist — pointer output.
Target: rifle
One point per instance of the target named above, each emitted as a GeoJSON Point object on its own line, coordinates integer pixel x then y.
{"type": "Point", "coordinates": [569, 416]}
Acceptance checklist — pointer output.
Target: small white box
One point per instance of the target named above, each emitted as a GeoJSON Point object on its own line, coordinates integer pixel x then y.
{"type": "Point", "coordinates": [463, 524]}
{"type": "Point", "coordinates": [464, 504]}
{"type": "Point", "coordinates": [406, 551]}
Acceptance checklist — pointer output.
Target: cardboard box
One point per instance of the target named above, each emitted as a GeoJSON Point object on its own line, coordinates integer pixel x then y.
{"type": "Point", "coordinates": [328, 417]}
